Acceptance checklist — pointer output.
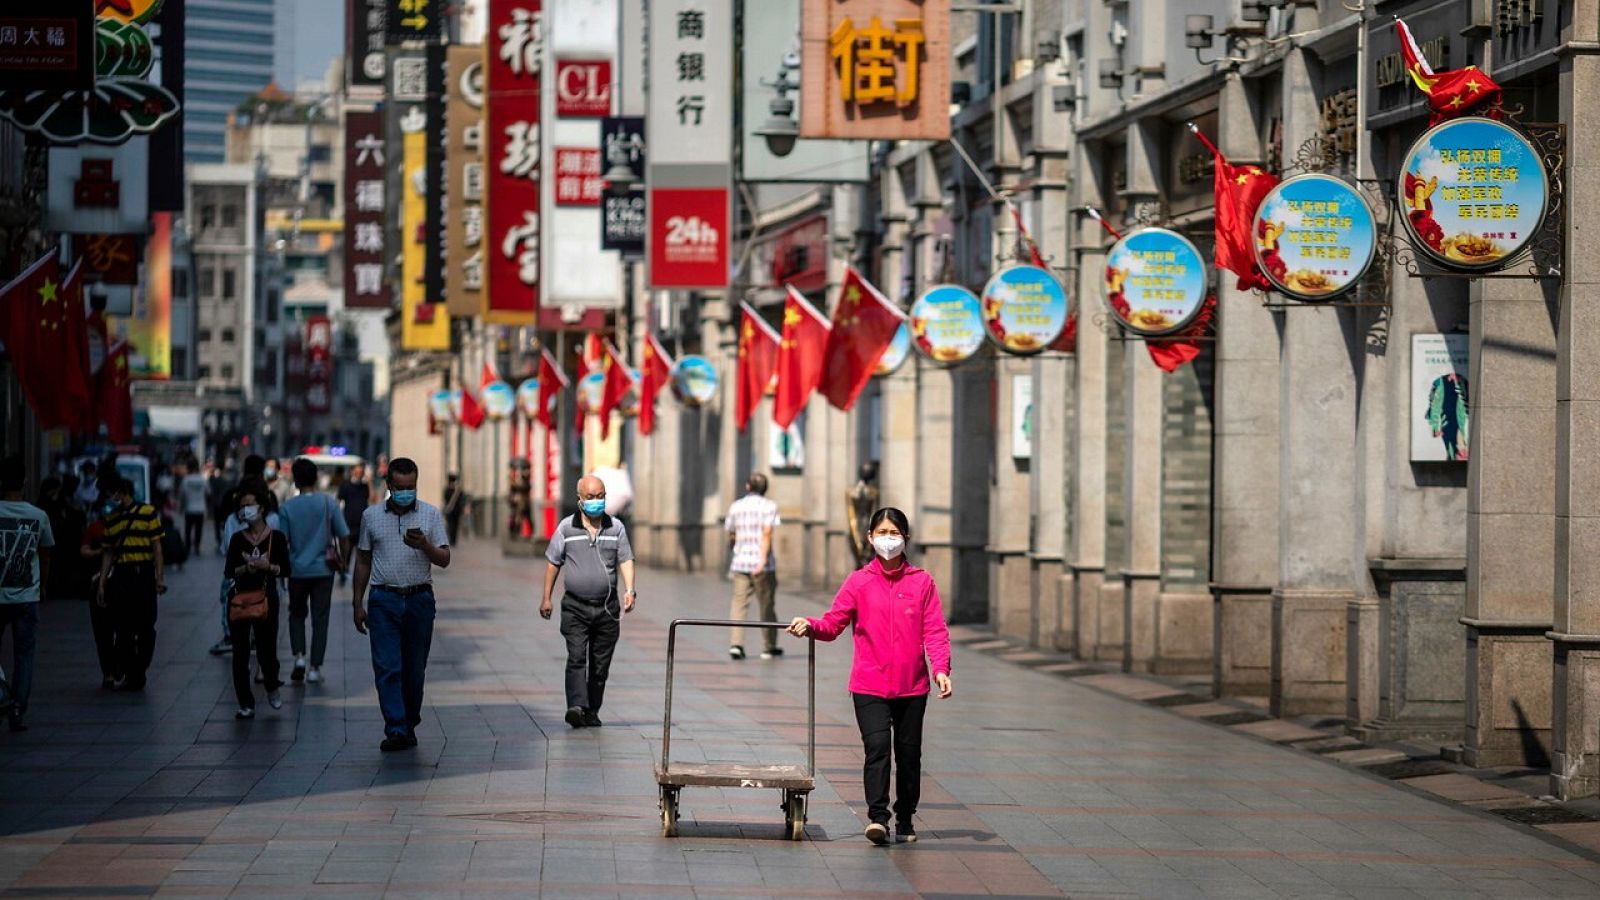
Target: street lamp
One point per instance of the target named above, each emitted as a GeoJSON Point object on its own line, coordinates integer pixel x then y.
{"type": "Point", "coordinates": [780, 131]}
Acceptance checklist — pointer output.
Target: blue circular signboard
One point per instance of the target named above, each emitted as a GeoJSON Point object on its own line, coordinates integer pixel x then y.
{"type": "Point", "coordinates": [1024, 310]}
{"type": "Point", "coordinates": [528, 397]}
{"type": "Point", "coordinates": [1314, 237]}
{"type": "Point", "coordinates": [1474, 193]}
{"type": "Point", "coordinates": [498, 400]}
{"type": "Point", "coordinates": [441, 406]}
{"type": "Point", "coordinates": [899, 349]}
{"type": "Point", "coordinates": [694, 380]}
{"type": "Point", "coordinates": [947, 323]}
{"type": "Point", "coordinates": [1155, 281]}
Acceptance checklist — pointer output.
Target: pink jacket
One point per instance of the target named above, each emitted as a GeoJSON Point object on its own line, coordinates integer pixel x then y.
{"type": "Point", "coordinates": [899, 629]}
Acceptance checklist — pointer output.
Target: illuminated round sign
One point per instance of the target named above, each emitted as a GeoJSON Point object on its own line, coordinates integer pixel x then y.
{"type": "Point", "coordinates": [528, 397]}
{"type": "Point", "coordinates": [694, 380]}
{"type": "Point", "coordinates": [630, 400]}
{"type": "Point", "coordinates": [1155, 281]}
{"type": "Point", "coordinates": [899, 349]}
{"type": "Point", "coordinates": [455, 405]}
{"type": "Point", "coordinates": [1314, 237]}
{"type": "Point", "coordinates": [591, 390]}
{"type": "Point", "coordinates": [1024, 309]}
{"type": "Point", "coordinates": [1474, 193]}
{"type": "Point", "coordinates": [498, 400]}
{"type": "Point", "coordinates": [441, 406]}
{"type": "Point", "coordinates": [947, 323]}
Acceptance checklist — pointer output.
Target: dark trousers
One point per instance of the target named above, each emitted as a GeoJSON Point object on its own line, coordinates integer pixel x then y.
{"type": "Point", "coordinates": [265, 634]}
{"type": "Point", "coordinates": [891, 723]}
{"type": "Point", "coordinates": [591, 632]}
{"type": "Point", "coordinates": [194, 527]}
{"type": "Point", "coordinates": [217, 521]}
{"type": "Point", "coordinates": [22, 620]}
{"type": "Point", "coordinates": [131, 596]}
{"type": "Point", "coordinates": [400, 628]}
{"type": "Point", "coordinates": [104, 625]}
{"type": "Point", "coordinates": [311, 596]}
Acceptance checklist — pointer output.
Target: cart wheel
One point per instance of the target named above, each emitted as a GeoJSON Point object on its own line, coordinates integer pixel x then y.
{"type": "Point", "coordinates": [794, 816]}
{"type": "Point", "coordinates": [669, 813]}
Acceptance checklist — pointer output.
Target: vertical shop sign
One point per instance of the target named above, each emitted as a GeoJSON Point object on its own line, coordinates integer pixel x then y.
{"type": "Point", "coordinates": [364, 36]}
{"type": "Point", "coordinates": [515, 51]}
{"type": "Point", "coordinates": [319, 365]}
{"type": "Point", "coordinates": [150, 327]}
{"type": "Point", "coordinates": [365, 170]}
{"type": "Point", "coordinates": [690, 124]}
{"type": "Point", "coordinates": [423, 325]}
{"type": "Point", "coordinates": [623, 212]}
{"type": "Point", "coordinates": [464, 238]}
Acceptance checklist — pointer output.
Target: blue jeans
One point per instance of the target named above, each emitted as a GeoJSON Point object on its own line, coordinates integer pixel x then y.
{"type": "Point", "coordinates": [23, 620]}
{"type": "Point", "coordinates": [401, 632]}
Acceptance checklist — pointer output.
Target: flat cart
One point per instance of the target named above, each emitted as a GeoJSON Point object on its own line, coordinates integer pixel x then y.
{"type": "Point", "coordinates": [796, 782]}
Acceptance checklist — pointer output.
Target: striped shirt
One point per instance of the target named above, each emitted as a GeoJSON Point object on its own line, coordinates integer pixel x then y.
{"type": "Point", "coordinates": [747, 518]}
{"type": "Point", "coordinates": [134, 533]}
{"type": "Point", "coordinates": [383, 535]}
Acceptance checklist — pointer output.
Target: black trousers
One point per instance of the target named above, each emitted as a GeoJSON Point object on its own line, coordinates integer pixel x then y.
{"type": "Point", "coordinates": [896, 724]}
{"type": "Point", "coordinates": [591, 632]}
{"type": "Point", "coordinates": [265, 634]}
{"type": "Point", "coordinates": [194, 527]}
{"type": "Point", "coordinates": [131, 599]}
{"type": "Point", "coordinates": [103, 623]}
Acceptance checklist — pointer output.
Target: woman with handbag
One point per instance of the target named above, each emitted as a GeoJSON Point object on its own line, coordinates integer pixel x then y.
{"type": "Point", "coordinates": [257, 556]}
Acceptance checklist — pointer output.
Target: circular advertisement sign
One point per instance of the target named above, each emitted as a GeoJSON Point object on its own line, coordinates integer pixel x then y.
{"type": "Point", "coordinates": [440, 404]}
{"type": "Point", "coordinates": [1155, 281]}
{"type": "Point", "coordinates": [1474, 192]}
{"type": "Point", "coordinates": [455, 405]}
{"type": "Point", "coordinates": [528, 397]}
{"type": "Point", "coordinates": [1314, 237]}
{"type": "Point", "coordinates": [899, 349]}
{"type": "Point", "coordinates": [591, 390]}
{"type": "Point", "coordinates": [947, 323]}
{"type": "Point", "coordinates": [1024, 309]}
{"type": "Point", "coordinates": [694, 380]}
{"type": "Point", "coordinates": [498, 400]}
{"type": "Point", "coordinates": [630, 400]}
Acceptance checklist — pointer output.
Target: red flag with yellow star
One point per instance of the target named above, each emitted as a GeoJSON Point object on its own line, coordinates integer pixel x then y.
{"type": "Point", "coordinates": [655, 369]}
{"type": "Point", "coordinates": [1451, 93]}
{"type": "Point", "coordinates": [43, 329]}
{"type": "Point", "coordinates": [619, 381]}
{"type": "Point", "coordinates": [801, 352]}
{"type": "Point", "coordinates": [114, 394]}
{"type": "Point", "coordinates": [864, 324]}
{"type": "Point", "coordinates": [758, 362]}
{"type": "Point", "coordinates": [552, 381]}
{"type": "Point", "coordinates": [1238, 192]}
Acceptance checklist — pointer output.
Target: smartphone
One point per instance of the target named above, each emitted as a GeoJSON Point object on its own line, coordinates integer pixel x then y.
{"type": "Point", "coordinates": [414, 532]}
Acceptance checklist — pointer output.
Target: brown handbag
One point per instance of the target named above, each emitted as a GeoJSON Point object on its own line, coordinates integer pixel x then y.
{"type": "Point", "coordinates": [250, 606]}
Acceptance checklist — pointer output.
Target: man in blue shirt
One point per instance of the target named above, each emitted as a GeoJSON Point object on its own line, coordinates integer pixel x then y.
{"type": "Point", "coordinates": [319, 542]}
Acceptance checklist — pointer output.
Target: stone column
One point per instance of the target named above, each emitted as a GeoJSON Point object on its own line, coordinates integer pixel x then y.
{"type": "Point", "coordinates": [934, 503]}
{"type": "Point", "coordinates": [1317, 517]}
{"type": "Point", "coordinates": [1575, 766]}
{"type": "Point", "coordinates": [1087, 547]}
{"type": "Point", "coordinates": [840, 469]}
{"type": "Point", "coordinates": [897, 469]}
{"type": "Point", "coordinates": [1245, 441]}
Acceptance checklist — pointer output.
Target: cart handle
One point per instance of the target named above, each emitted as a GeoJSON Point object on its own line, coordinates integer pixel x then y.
{"type": "Point", "coordinates": [811, 686]}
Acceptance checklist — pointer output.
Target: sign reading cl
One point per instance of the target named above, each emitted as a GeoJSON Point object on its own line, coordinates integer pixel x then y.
{"type": "Point", "coordinates": [583, 87]}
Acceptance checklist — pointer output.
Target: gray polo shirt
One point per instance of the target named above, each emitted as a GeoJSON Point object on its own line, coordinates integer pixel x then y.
{"type": "Point", "coordinates": [589, 567]}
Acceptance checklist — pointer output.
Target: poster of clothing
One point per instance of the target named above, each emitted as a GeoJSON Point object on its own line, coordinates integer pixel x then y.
{"type": "Point", "coordinates": [1440, 398]}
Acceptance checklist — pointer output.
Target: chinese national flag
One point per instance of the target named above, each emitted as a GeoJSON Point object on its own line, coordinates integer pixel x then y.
{"type": "Point", "coordinates": [488, 377]}
{"type": "Point", "coordinates": [758, 362]}
{"type": "Point", "coordinates": [1170, 353]}
{"type": "Point", "coordinates": [864, 324]}
{"type": "Point", "coordinates": [801, 351]}
{"type": "Point", "coordinates": [551, 382]}
{"type": "Point", "coordinates": [618, 384]}
{"type": "Point", "coordinates": [656, 369]}
{"type": "Point", "coordinates": [471, 410]}
{"type": "Point", "coordinates": [42, 324]}
{"type": "Point", "coordinates": [115, 392]}
{"type": "Point", "coordinates": [1450, 93]}
{"type": "Point", "coordinates": [1238, 191]}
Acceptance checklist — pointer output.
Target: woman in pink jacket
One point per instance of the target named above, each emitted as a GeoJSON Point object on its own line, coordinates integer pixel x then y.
{"type": "Point", "coordinates": [899, 630]}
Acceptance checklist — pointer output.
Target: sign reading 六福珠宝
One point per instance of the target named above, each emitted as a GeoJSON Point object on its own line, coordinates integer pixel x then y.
{"type": "Point", "coordinates": [1314, 237]}
{"type": "Point", "coordinates": [1474, 192]}
{"type": "Point", "coordinates": [690, 123]}
{"type": "Point", "coordinates": [875, 69]}
{"type": "Point", "coordinates": [1155, 281]}
{"type": "Point", "coordinates": [365, 170]}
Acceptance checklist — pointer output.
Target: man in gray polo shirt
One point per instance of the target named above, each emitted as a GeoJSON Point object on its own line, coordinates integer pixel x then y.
{"type": "Point", "coordinates": [590, 548]}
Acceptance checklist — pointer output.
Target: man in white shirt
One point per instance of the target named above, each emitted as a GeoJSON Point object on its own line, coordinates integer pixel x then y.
{"type": "Point", "coordinates": [752, 564]}
{"type": "Point", "coordinates": [24, 568]}
{"type": "Point", "coordinates": [192, 494]}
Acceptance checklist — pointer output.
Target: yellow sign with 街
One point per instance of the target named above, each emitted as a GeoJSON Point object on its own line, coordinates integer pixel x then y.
{"type": "Point", "coordinates": [424, 325]}
{"type": "Point", "coordinates": [875, 69]}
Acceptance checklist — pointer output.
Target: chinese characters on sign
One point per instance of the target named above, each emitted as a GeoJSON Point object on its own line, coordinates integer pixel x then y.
{"type": "Point", "coordinates": [1024, 309]}
{"type": "Point", "coordinates": [577, 176]}
{"type": "Point", "coordinates": [365, 32]}
{"type": "Point", "coordinates": [365, 168]}
{"type": "Point", "coordinates": [1155, 281]}
{"type": "Point", "coordinates": [319, 365]}
{"type": "Point", "coordinates": [108, 258]}
{"type": "Point", "coordinates": [875, 69]}
{"type": "Point", "coordinates": [50, 52]}
{"type": "Point", "coordinates": [1314, 237]}
{"type": "Point", "coordinates": [512, 148]}
{"type": "Point", "coordinates": [1474, 193]}
{"type": "Point", "coordinates": [464, 238]}
{"type": "Point", "coordinates": [583, 88]}
{"type": "Point", "coordinates": [414, 20]}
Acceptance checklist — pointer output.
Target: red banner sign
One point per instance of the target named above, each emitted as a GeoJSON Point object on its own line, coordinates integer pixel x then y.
{"type": "Point", "coordinates": [689, 238]}
{"type": "Point", "coordinates": [511, 137]}
{"type": "Point", "coordinates": [365, 171]}
{"type": "Point", "coordinates": [319, 364]}
{"type": "Point", "coordinates": [108, 258]}
{"type": "Point", "coordinates": [583, 88]}
{"type": "Point", "coordinates": [578, 176]}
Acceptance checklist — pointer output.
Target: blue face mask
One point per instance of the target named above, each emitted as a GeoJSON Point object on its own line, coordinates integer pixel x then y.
{"type": "Point", "coordinates": [403, 498]}
{"type": "Point", "coordinates": [593, 508]}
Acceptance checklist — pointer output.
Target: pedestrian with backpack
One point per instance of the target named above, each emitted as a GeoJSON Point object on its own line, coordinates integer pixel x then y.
{"type": "Point", "coordinates": [319, 541]}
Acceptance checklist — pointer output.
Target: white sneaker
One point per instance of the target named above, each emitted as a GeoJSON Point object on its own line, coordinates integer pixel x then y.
{"type": "Point", "coordinates": [244, 713]}
{"type": "Point", "coordinates": [878, 834]}
{"type": "Point", "coordinates": [299, 672]}
{"type": "Point", "coordinates": [314, 675]}
{"type": "Point", "coordinates": [275, 700]}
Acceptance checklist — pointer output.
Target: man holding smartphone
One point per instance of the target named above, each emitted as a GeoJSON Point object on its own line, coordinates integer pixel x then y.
{"type": "Point", "coordinates": [401, 541]}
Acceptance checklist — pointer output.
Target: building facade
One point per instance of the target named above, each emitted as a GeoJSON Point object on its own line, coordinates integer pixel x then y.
{"type": "Point", "coordinates": [228, 55]}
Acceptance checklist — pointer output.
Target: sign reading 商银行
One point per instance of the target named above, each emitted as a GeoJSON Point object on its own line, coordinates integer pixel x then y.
{"type": "Point", "coordinates": [877, 69]}
{"type": "Point", "coordinates": [1474, 193]}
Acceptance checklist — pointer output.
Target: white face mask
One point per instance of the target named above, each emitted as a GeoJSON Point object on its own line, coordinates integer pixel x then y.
{"type": "Point", "coordinates": [249, 513]}
{"type": "Point", "coordinates": [888, 546]}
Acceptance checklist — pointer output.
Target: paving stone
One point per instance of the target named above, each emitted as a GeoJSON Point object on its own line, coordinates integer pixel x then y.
{"type": "Point", "coordinates": [1367, 756]}
{"type": "Point", "coordinates": [1279, 731]}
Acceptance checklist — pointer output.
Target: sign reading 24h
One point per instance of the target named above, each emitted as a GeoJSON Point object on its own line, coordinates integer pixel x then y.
{"type": "Point", "coordinates": [1474, 191]}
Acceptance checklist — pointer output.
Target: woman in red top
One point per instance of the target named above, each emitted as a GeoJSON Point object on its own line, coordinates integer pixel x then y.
{"type": "Point", "coordinates": [898, 625]}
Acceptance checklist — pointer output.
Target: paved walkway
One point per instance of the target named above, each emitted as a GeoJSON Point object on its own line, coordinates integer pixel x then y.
{"type": "Point", "coordinates": [1034, 785]}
